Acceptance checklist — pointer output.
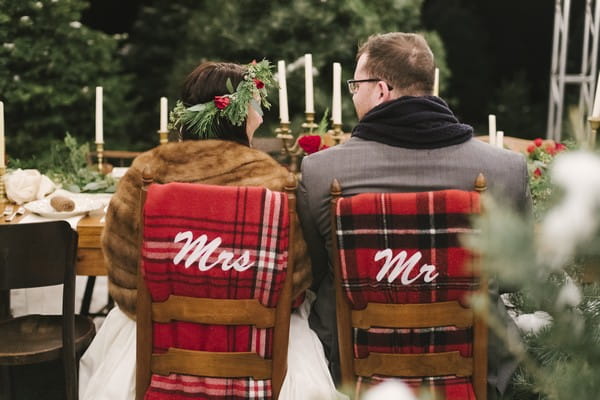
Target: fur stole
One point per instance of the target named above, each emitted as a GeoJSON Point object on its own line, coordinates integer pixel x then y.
{"type": "Point", "coordinates": [213, 162]}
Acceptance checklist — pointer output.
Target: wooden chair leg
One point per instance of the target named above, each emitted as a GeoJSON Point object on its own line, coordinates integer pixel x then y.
{"type": "Point", "coordinates": [4, 304]}
{"type": "Point", "coordinates": [5, 389]}
{"type": "Point", "coordinates": [87, 296]}
{"type": "Point", "coordinates": [70, 369]}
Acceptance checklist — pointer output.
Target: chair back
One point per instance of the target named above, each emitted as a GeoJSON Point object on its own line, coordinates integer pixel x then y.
{"type": "Point", "coordinates": [37, 255]}
{"type": "Point", "coordinates": [403, 282]}
{"type": "Point", "coordinates": [214, 295]}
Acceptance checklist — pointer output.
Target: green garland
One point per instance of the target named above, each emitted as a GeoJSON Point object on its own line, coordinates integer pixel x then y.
{"type": "Point", "coordinates": [200, 118]}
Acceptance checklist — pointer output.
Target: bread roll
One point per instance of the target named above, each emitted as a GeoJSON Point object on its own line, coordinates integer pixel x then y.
{"type": "Point", "coordinates": [62, 203]}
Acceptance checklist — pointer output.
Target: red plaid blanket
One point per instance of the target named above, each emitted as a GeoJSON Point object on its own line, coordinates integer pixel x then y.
{"type": "Point", "coordinates": [213, 242]}
{"type": "Point", "coordinates": [405, 248]}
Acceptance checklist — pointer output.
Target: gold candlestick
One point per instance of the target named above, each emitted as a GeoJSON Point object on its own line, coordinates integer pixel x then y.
{"type": "Point", "coordinates": [337, 133]}
{"type": "Point", "coordinates": [3, 198]}
{"type": "Point", "coordinates": [594, 125]}
{"type": "Point", "coordinates": [100, 154]}
{"type": "Point", "coordinates": [309, 126]}
{"type": "Point", "coordinates": [289, 146]}
{"type": "Point", "coordinates": [163, 136]}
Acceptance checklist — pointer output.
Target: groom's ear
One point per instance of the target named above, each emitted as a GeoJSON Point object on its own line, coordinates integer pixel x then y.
{"type": "Point", "coordinates": [384, 92]}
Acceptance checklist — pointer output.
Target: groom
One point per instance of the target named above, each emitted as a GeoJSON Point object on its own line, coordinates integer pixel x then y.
{"type": "Point", "coordinates": [406, 140]}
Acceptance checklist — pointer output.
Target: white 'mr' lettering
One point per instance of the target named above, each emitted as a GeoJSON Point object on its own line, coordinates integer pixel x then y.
{"type": "Point", "coordinates": [403, 266]}
{"type": "Point", "coordinates": [202, 251]}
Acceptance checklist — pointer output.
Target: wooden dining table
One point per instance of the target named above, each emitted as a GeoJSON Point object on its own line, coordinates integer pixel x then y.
{"type": "Point", "coordinates": [90, 260]}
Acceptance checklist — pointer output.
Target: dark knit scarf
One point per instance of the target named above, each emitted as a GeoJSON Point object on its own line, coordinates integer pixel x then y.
{"type": "Point", "coordinates": [424, 122]}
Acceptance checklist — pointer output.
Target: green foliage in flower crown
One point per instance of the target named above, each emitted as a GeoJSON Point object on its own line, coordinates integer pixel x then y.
{"type": "Point", "coordinates": [200, 118]}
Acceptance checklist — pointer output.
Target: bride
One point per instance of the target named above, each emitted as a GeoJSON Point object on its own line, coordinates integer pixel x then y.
{"type": "Point", "coordinates": [215, 149]}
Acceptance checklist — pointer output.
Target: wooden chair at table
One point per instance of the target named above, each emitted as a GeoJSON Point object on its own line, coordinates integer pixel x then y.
{"type": "Point", "coordinates": [168, 296]}
{"type": "Point", "coordinates": [36, 255]}
{"type": "Point", "coordinates": [385, 314]}
{"type": "Point", "coordinates": [123, 158]}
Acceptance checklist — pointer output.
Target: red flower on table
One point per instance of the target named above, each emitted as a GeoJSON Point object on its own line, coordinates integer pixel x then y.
{"type": "Point", "coordinates": [537, 172]}
{"type": "Point", "coordinates": [310, 143]}
{"type": "Point", "coordinates": [221, 102]}
{"type": "Point", "coordinates": [560, 147]}
{"type": "Point", "coordinates": [551, 149]}
{"type": "Point", "coordinates": [538, 142]}
{"type": "Point", "coordinates": [531, 148]}
{"type": "Point", "coordinates": [259, 84]}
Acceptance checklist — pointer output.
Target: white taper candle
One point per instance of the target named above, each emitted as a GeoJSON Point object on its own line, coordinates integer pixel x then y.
{"type": "Point", "coordinates": [436, 82]}
{"type": "Point", "coordinates": [164, 105]}
{"type": "Point", "coordinates": [284, 116]}
{"type": "Point", "coordinates": [308, 77]}
{"type": "Point", "coordinates": [99, 122]}
{"type": "Point", "coordinates": [492, 129]}
{"type": "Point", "coordinates": [336, 106]}
{"type": "Point", "coordinates": [500, 139]}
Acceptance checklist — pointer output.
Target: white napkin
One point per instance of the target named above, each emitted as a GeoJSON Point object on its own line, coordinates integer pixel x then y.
{"type": "Point", "coordinates": [31, 218]}
{"type": "Point", "coordinates": [24, 185]}
{"type": "Point", "coordinates": [118, 172]}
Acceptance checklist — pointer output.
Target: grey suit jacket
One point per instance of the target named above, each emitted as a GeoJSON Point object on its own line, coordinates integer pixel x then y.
{"type": "Point", "coordinates": [367, 166]}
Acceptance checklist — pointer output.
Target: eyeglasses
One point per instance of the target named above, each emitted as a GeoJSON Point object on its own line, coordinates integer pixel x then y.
{"type": "Point", "coordinates": [353, 84]}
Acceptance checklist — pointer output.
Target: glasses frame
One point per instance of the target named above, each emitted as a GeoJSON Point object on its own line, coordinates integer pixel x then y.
{"type": "Point", "coordinates": [353, 83]}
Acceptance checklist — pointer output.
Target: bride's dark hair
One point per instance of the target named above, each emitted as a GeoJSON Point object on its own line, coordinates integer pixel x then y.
{"type": "Point", "coordinates": [208, 80]}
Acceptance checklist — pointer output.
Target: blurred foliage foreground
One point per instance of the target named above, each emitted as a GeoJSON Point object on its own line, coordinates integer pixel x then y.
{"type": "Point", "coordinates": [554, 261]}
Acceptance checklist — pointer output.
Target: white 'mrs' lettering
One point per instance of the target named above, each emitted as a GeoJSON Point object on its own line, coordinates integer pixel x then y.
{"type": "Point", "coordinates": [202, 251]}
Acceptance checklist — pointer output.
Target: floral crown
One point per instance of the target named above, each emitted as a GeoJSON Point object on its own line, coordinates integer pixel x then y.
{"type": "Point", "coordinates": [199, 118]}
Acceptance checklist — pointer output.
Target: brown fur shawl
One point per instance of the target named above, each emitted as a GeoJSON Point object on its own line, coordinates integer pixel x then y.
{"type": "Point", "coordinates": [213, 162]}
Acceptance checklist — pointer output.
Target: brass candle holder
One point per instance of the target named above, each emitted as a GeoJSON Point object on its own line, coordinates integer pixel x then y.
{"type": "Point", "coordinates": [594, 125]}
{"type": "Point", "coordinates": [163, 136]}
{"type": "Point", "coordinates": [289, 146]}
{"type": "Point", "coordinates": [337, 133]}
{"type": "Point", "coordinates": [100, 154]}
{"type": "Point", "coordinates": [309, 126]}
{"type": "Point", "coordinates": [3, 198]}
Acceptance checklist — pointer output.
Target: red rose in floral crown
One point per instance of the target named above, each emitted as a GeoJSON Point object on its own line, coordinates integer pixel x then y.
{"type": "Point", "coordinates": [259, 84]}
{"type": "Point", "coordinates": [221, 102]}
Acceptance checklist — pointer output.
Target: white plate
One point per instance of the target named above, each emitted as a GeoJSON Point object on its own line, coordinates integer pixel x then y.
{"type": "Point", "coordinates": [82, 206]}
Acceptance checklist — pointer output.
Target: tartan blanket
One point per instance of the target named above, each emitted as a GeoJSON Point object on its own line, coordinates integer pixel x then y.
{"type": "Point", "coordinates": [405, 248]}
{"type": "Point", "coordinates": [213, 242]}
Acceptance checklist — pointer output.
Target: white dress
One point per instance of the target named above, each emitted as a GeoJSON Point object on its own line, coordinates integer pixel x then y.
{"type": "Point", "coordinates": [107, 369]}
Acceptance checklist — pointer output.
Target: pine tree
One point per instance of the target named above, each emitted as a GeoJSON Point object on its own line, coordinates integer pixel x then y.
{"type": "Point", "coordinates": [185, 32]}
{"type": "Point", "coordinates": [49, 66]}
{"type": "Point", "coordinates": [556, 271]}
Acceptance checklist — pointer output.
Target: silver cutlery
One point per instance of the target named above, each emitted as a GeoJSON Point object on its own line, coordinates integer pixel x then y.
{"type": "Point", "coordinates": [8, 210]}
{"type": "Point", "coordinates": [20, 211]}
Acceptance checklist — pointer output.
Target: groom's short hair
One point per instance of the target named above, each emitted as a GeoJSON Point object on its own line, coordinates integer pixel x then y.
{"type": "Point", "coordinates": [403, 60]}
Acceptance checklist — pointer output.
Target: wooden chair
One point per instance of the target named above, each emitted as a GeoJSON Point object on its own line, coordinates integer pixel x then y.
{"type": "Point", "coordinates": [119, 158]}
{"type": "Point", "coordinates": [399, 315]}
{"type": "Point", "coordinates": [36, 255]}
{"type": "Point", "coordinates": [184, 300]}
